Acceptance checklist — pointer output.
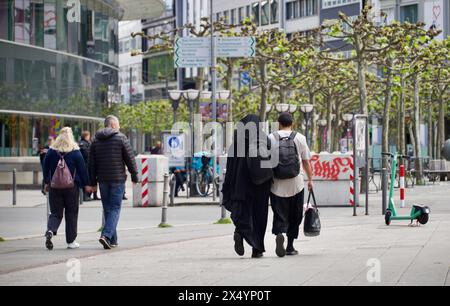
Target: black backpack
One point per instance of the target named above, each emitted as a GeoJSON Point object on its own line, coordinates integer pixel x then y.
{"type": "Point", "coordinates": [289, 163]}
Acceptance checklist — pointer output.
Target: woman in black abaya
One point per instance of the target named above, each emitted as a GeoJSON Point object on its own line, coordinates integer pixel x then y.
{"type": "Point", "coordinates": [246, 188]}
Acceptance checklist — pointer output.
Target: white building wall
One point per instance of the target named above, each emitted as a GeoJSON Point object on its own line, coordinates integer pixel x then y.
{"type": "Point", "coordinates": [127, 62]}
{"type": "Point", "coordinates": [431, 12]}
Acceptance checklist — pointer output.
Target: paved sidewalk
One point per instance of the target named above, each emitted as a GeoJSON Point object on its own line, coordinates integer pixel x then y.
{"type": "Point", "coordinates": [196, 252]}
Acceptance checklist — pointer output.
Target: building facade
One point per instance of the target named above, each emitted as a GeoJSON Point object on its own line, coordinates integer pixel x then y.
{"type": "Point", "coordinates": [130, 75]}
{"type": "Point", "coordinates": [58, 67]}
{"type": "Point", "coordinates": [158, 72]}
{"type": "Point", "coordinates": [434, 13]}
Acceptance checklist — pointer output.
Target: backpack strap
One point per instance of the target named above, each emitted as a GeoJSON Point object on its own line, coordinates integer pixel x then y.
{"type": "Point", "coordinates": [293, 135]}
{"type": "Point", "coordinates": [277, 136]}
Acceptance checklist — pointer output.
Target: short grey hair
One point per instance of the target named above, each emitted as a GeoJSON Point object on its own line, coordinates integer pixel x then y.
{"type": "Point", "coordinates": [110, 120]}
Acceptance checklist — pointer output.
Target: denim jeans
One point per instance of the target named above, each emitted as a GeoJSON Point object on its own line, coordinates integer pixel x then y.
{"type": "Point", "coordinates": [112, 194]}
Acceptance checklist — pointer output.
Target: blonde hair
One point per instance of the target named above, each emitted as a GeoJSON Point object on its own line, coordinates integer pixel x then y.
{"type": "Point", "coordinates": [65, 142]}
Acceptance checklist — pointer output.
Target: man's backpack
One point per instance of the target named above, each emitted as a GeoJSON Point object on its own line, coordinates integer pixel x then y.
{"type": "Point", "coordinates": [62, 178]}
{"type": "Point", "coordinates": [289, 162]}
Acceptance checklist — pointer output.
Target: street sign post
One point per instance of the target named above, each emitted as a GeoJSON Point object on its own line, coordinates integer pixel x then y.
{"type": "Point", "coordinates": [195, 52]}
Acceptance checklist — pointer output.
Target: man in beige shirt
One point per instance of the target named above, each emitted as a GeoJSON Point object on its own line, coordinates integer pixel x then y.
{"type": "Point", "coordinates": [287, 192]}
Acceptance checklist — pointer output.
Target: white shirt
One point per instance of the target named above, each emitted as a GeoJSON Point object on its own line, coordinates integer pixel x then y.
{"type": "Point", "coordinates": [290, 187]}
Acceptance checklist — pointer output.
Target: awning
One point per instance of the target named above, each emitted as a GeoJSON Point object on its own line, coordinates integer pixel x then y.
{"type": "Point", "coordinates": [141, 9]}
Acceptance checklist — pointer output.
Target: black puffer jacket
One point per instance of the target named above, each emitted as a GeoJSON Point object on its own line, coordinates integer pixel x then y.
{"type": "Point", "coordinates": [109, 154]}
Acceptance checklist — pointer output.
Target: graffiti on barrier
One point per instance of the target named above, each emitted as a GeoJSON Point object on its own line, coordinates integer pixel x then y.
{"type": "Point", "coordinates": [331, 168]}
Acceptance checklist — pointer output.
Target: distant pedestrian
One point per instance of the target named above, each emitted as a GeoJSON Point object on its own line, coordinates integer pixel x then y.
{"type": "Point", "coordinates": [157, 149]}
{"type": "Point", "coordinates": [64, 186]}
{"type": "Point", "coordinates": [246, 188]}
{"type": "Point", "coordinates": [110, 153]}
{"type": "Point", "coordinates": [85, 145]}
{"type": "Point", "coordinates": [287, 193]}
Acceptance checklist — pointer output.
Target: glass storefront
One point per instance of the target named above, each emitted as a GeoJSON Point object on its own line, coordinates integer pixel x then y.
{"type": "Point", "coordinates": [43, 23]}
{"type": "Point", "coordinates": [39, 80]}
{"type": "Point", "coordinates": [25, 135]}
{"type": "Point", "coordinates": [52, 65]}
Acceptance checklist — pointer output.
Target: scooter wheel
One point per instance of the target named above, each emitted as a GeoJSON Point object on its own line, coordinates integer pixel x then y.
{"type": "Point", "coordinates": [387, 217]}
{"type": "Point", "coordinates": [423, 219]}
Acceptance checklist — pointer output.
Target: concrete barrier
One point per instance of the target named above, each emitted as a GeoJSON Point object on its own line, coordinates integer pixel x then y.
{"type": "Point", "coordinates": [149, 191]}
{"type": "Point", "coordinates": [331, 176]}
{"type": "Point", "coordinates": [29, 172]}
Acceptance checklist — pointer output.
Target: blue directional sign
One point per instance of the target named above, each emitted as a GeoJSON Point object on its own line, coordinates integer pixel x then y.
{"type": "Point", "coordinates": [245, 78]}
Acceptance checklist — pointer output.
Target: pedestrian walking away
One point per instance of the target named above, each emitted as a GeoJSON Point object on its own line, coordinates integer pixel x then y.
{"type": "Point", "coordinates": [65, 173]}
{"type": "Point", "coordinates": [246, 188]}
{"type": "Point", "coordinates": [287, 192]}
{"type": "Point", "coordinates": [110, 153]}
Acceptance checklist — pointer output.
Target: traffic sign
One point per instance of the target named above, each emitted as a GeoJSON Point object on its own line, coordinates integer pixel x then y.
{"type": "Point", "coordinates": [195, 52]}
{"type": "Point", "coordinates": [192, 52]}
{"type": "Point", "coordinates": [245, 78]}
{"type": "Point", "coordinates": [236, 46]}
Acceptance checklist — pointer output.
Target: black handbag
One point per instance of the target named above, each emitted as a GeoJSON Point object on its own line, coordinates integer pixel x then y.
{"type": "Point", "coordinates": [312, 225]}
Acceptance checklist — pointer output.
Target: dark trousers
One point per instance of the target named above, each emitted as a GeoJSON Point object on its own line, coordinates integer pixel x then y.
{"type": "Point", "coordinates": [64, 203]}
{"type": "Point", "coordinates": [112, 195]}
{"type": "Point", "coordinates": [287, 214]}
{"type": "Point", "coordinates": [250, 216]}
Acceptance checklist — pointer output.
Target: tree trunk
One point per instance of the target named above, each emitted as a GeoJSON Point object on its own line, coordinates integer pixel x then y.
{"type": "Point", "coordinates": [430, 128]}
{"type": "Point", "coordinates": [401, 110]}
{"type": "Point", "coordinates": [386, 114]}
{"type": "Point", "coordinates": [329, 125]}
{"type": "Point", "coordinates": [313, 141]}
{"type": "Point", "coordinates": [335, 132]}
{"type": "Point", "coordinates": [435, 139]}
{"type": "Point", "coordinates": [264, 91]}
{"type": "Point", "coordinates": [441, 126]}
{"type": "Point", "coordinates": [418, 163]}
{"type": "Point", "coordinates": [362, 86]}
{"type": "Point", "coordinates": [412, 136]}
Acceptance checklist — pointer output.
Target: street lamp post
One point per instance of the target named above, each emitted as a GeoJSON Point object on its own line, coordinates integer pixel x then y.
{"type": "Point", "coordinates": [175, 97]}
{"type": "Point", "coordinates": [347, 118]}
{"type": "Point", "coordinates": [306, 110]}
{"type": "Point", "coordinates": [221, 95]}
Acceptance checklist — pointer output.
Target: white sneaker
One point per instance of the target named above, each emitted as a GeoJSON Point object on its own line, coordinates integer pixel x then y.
{"type": "Point", "coordinates": [74, 245]}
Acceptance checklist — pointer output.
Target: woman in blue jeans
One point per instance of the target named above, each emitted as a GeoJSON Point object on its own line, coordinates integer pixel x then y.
{"type": "Point", "coordinates": [64, 202]}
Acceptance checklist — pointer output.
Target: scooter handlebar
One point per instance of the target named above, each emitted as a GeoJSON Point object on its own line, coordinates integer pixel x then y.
{"type": "Point", "coordinates": [387, 154]}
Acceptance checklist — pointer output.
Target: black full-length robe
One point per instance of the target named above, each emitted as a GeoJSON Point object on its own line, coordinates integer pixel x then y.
{"type": "Point", "coordinates": [248, 201]}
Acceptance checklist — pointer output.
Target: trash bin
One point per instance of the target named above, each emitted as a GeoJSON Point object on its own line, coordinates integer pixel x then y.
{"type": "Point", "coordinates": [149, 191]}
{"type": "Point", "coordinates": [332, 173]}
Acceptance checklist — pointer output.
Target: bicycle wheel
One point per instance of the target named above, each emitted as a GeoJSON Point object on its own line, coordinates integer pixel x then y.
{"type": "Point", "coordinates": [202, 183]}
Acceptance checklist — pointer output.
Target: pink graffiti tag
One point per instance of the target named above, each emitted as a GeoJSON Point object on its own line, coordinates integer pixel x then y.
{"type": "Point", "coordinates": [330, 170]}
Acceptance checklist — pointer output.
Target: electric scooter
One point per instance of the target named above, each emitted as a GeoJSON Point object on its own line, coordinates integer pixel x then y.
{"type": "Point", "coordinates": [420, 214]}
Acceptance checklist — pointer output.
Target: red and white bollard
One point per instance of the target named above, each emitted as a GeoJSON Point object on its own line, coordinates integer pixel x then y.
{"type": "Point", "coordinates": [402, 186]}
{"type": "Point", "coordinates": [352, 187]}
{"type": "Point", "coordinates": [144, 182]}
{"type": "Point", "coordinates": [141, 192]}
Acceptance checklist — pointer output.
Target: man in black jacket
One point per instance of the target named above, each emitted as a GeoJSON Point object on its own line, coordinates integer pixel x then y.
{"type": "Point", "coordinates": [109, 154]}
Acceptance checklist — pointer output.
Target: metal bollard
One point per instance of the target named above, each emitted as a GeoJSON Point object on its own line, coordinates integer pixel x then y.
{"type": "Point", "coordinates": [14, 188]}
{"type": "Point", "coordinates": [165, 201]}
{"type": "Point", "coordinates": [173, 184]}
{"type": "Point", "coordinates": [384, 190]}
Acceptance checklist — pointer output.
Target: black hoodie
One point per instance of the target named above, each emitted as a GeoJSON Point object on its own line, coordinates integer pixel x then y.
{"type": "Point", "coordinates": [109, 154]}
